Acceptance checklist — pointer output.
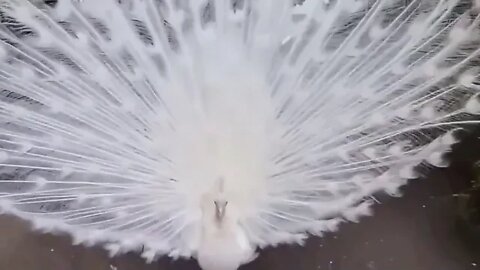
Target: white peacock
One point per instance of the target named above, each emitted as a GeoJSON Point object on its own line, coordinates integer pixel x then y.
{"type": "Point", "coordinates": [213, 128]}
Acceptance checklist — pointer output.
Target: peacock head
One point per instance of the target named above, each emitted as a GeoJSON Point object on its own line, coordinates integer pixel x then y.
{"type": "Point", "coordinates": [223, 245]}
{"type": "Point", "coordinates": [220, 209]}
{"type": "Point", "coordinates": [217, 202]}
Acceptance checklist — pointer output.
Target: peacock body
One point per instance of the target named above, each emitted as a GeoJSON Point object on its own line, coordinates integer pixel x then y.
{"type": "Point", "coordinates": [211, 128]}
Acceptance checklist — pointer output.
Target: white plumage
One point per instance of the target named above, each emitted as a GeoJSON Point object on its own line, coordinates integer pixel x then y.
{"type": "Point", "coordinates": [211, 128]}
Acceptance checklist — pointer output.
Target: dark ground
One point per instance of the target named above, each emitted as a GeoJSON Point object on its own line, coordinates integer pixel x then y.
{"type": "Point", "coordinates": [415, 232]}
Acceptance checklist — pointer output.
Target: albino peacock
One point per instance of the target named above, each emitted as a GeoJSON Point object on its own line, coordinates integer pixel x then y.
{"type": "Point", "coordinates": [213, 128]}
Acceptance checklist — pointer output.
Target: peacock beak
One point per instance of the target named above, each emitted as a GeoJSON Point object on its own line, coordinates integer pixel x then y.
{"type": "Point", "coordinates": [220, 208]}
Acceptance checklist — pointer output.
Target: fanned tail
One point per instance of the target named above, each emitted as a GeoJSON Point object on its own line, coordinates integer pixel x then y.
{"type": "Point", "coordinates": [310, 108]}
